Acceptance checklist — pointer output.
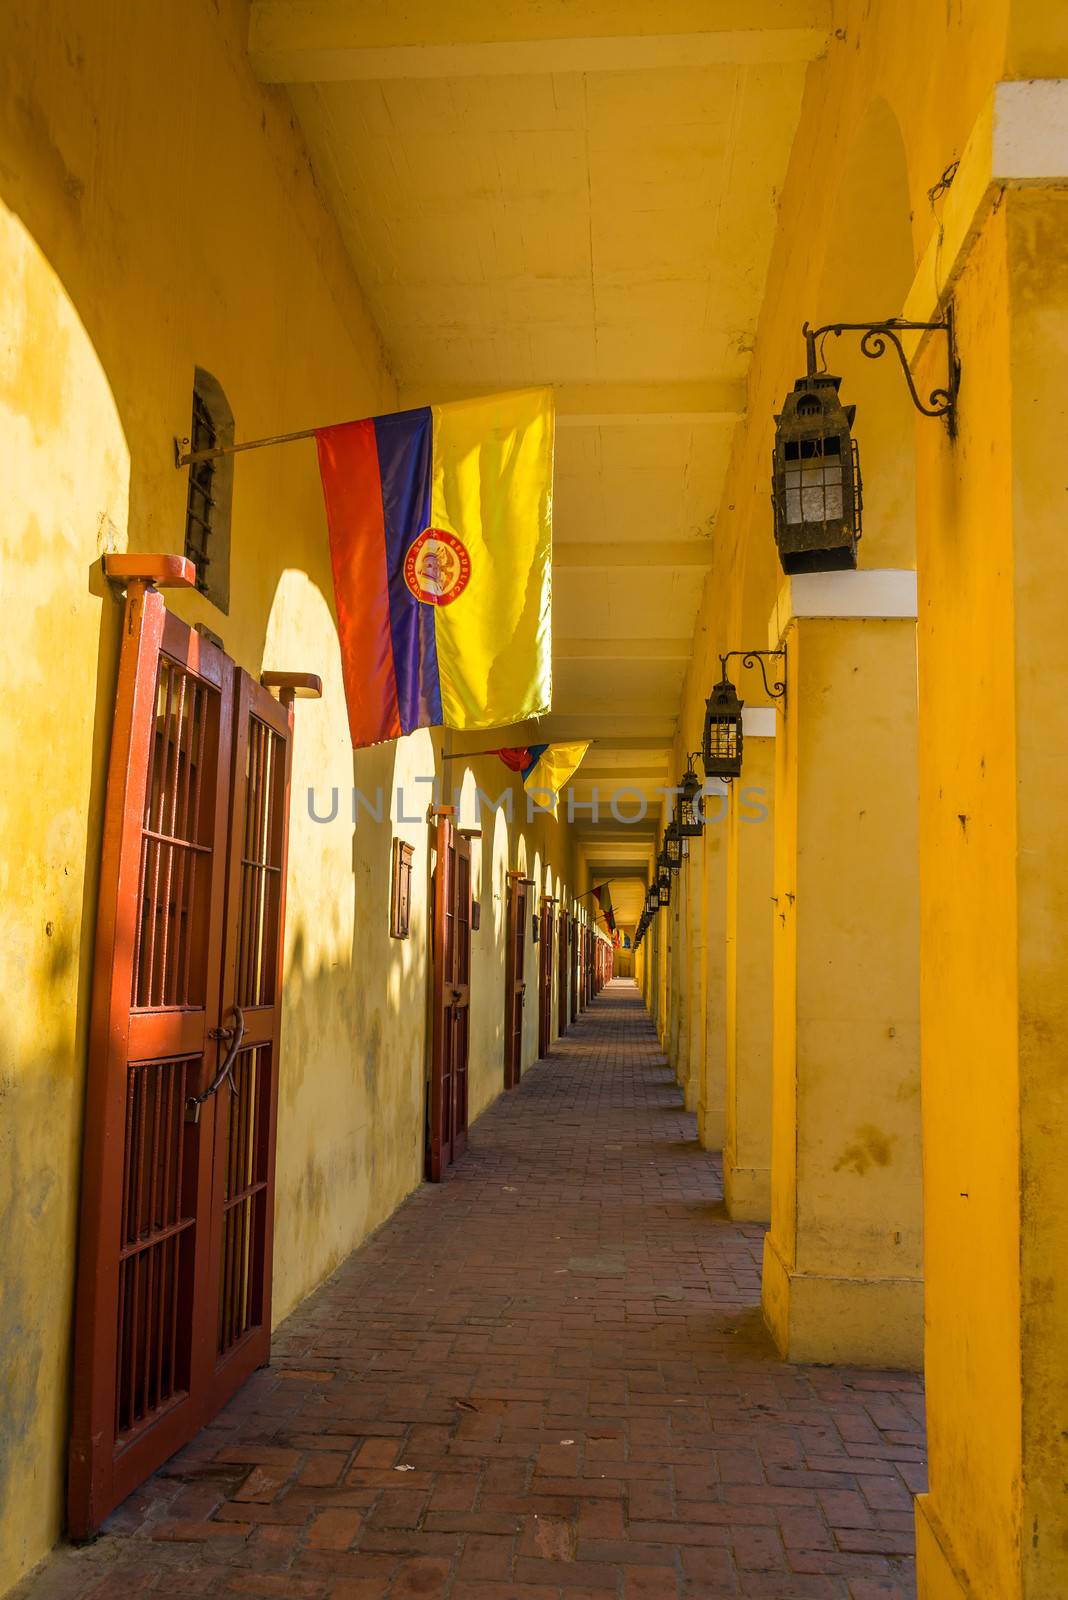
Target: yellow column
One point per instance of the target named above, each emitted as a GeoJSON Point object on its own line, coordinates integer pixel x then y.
{"type": "Point", "coordinates": [710, 1105]}
{"type": "Point", "coordinates": [693, 872]}
{"type": "Point", "coordinates": [750, 886]}
{"type": "Point", "coordinates": [680, 1038]}
{"type": "Point", "coordinates": [663, 957]}
{"type": "Point", "coordinates": [994, 935]}
{"type": "Point", "coordinates": [843, 1260]}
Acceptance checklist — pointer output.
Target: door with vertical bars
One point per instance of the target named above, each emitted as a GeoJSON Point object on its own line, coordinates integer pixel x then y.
{"type": "Point", "coordinates": [545, 977]}
{"type": "Point", "coordinates": [515, 986]}
{"type": "Point", "coordinates": [451, 996]}
{"type": "Point", "coordinates": [173, 1296]}
{"type": "Point", "coordinates": [561, 974]}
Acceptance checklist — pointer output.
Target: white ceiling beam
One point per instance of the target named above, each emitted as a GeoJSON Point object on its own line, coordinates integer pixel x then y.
{"type": "Point", "coordinates": [634, 553]}
{"type": "Point", "coordinates": [626, 649]}
{"type": "Point", "coordinates": [595, 405]}
{"type": "Point", "coordinates": [336, 41]}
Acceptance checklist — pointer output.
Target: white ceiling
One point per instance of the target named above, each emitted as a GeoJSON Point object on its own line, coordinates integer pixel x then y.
{"type": "Point", "coordinates": [580, 193]}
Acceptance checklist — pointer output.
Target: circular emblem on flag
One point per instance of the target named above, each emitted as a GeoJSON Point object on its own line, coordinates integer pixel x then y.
{"type": "Point", "coordinates": [437, 567]}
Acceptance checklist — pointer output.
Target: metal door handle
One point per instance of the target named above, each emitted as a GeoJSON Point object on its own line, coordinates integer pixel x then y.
{"type": "Point", "coordinates": [236, 1036]}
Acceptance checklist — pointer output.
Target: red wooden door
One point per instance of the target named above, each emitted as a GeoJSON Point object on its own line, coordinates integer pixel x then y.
{"type": "Point", "coordinates": [146, 1184]}
{"type": "Point", "coordinates": [545, 977]}
{"type": "Point", "coordinates": [561, 974]}
{"type": "Point", "coordinates": [451, 996]}
{"type": "Point", "coordinates": [237, 1338]}
{"type": "Point", "coordinates": [160, 1060]}
{"type": "Point", "coordinates": [576, 938]}
{"type": "Point", "coordinates": [514, 980]}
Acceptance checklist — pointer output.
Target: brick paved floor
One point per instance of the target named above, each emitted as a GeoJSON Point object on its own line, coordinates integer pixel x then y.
{"type": "Point", "coordinates": [546, 1379]}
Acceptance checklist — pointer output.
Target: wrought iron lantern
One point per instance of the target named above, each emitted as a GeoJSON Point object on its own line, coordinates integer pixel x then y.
{"type": "Point", "coordinates": [652, 902]}
{"type": "Point", "coordinates": [672, 847]}
{"type": "Point", "coordinates": [689, 823]}
{"type": "Point", "coordinates": [816, 485]}
{"type": "Point", "coordinates": [721, 747]}
{"type": "Point", "coordinates": [663, 887]}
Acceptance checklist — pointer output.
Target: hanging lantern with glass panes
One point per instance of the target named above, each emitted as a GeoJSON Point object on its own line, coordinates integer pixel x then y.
{"type": "Point", "coordinates": [689, 822]}
{"type": "Point", "coordinates": [721, 746]}
{"type": "Point", "coordinates": [652, 902]}
{"type": "Point", "coordinates": [663, 887]}
{"type": "Point", "coordinates": [815, 488]}
{"type": "Point", "coordinates": [672, 847]}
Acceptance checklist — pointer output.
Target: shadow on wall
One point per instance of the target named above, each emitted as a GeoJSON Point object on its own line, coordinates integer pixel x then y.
{"type": "Point", "coordinates": [66, 470]}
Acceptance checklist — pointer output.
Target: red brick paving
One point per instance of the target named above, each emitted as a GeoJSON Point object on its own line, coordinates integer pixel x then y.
{"type": "Point", "coordinates": [546, 1379]}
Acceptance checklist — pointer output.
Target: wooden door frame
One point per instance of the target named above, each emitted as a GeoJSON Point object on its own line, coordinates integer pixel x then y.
{"type": "Point", "coordinates": [263, 1029]}
{"type": "Point", "coordinates": [515, 975]}
{"type": "Point", "coordinates": [446, 997]}
{"type": "Point", "coordinates": [101, 1472]}
{"type": "Point", "coordinates": [104, 1467]}
{"type": "Point", "coordinates": [561, 971]}
{"type": "Point", "coordinates": [545, 975]}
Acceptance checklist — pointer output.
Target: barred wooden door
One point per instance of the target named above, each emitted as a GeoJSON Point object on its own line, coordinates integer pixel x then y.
{"type": "Point", "coordinates": [561, 975]}
{"type": "Point", "coordinates": [451, 996]}
{"type": "Point", "coordinates": [576, 941]}
{"type": "Point", "coordinates": [514, 980]}
{"type": "Point", "coordinates": [160, 1056]}
{"type": "Point", "coordinates": [246, 1103]}
{"type": "Point", "coordinates": [545, 976]}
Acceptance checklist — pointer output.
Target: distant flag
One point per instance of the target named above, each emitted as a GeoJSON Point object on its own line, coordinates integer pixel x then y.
{"type": "Point", "coordinates": [441, 546]}
{"type": "Point", "coordinates": [604, 900]}
{"type": "Point", "coordinates": [546, 767]}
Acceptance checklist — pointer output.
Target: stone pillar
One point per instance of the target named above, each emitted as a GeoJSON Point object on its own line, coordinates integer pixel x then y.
{"type": "Point", "coordinates": [750, 886]}
{"type": "Point", "coordinates": [843, 1260]}
{"type": "Point", "coordinates": [710, 1105]}
{"type": "Point", "coordinates": [693, 872]}
{"type": "Point", "coordinates": [679, 1051]}
{"type": "Point", "coordinates": [993, 664]}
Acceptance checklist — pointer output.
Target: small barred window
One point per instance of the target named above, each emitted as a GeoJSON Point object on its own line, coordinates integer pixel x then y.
{"type": "Point", "coordinates": [207, 517]}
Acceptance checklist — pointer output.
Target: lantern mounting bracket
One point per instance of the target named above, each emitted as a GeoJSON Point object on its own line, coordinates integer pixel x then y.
{"type": "Point", "coordinates": [755, 658]}
{"type": "Point", "coordinates": [877, 336]}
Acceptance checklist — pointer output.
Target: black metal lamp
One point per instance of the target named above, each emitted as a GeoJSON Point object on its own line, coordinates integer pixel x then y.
{"type": "Point", "coordinates": [721, 744]}
{"type": "Point", "coordinates": [663, 887]}
{"type": "Point", "coordinates": [672, 847]}
{"type": "Point", "coordinates": [816, 485]}
{"type": "Point", "coordinates": [652, 902]}
{"type": "Point", "coordinates": [689, 822]}
{"type": "Point", "coordinates": [816, 488]}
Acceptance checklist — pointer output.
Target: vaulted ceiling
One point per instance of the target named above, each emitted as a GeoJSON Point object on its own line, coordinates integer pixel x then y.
{"type": "Point", "coordinates": [580, 193]}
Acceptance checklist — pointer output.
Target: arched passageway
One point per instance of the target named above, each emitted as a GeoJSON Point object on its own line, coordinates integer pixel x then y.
{"type": "Point", "coordinates": [548, 1374]}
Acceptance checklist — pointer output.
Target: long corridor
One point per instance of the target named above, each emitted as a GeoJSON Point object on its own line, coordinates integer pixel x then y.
{"type": "Point", "coordinates": [545, 1379]}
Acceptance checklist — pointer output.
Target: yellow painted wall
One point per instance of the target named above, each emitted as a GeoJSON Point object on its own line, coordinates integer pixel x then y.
{"type": "Point", "coordinates": [867, 82]}
{"type": "Point", "coordinates": [65, 463]}
{"type": "Point", "coordinates": [1038, 258]}
{"type": "Point", "coordinates": [711, 1102]}
{"type": "Point", "coordinates": [157, 213]}
{"type": "Point", "coordinates": [747, 981]}
{"type": "Point", "coordinates": [846, 1184]}
{"type": "Point", "coordinates": [970, 1071]}
{"type": "Point", "coordinates": [994, 926]}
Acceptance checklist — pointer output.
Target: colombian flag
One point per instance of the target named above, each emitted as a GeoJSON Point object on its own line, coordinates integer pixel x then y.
{"type": "Point", "coordinates": [604, 900]}
{"type": "Point", "coordinates": [440, 526]}
{"type": "Point", "coordinates": [545, 766]}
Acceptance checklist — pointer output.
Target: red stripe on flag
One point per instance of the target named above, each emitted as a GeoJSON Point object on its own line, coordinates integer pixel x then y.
{"type": "Point", "coordinates": [352, 488]}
